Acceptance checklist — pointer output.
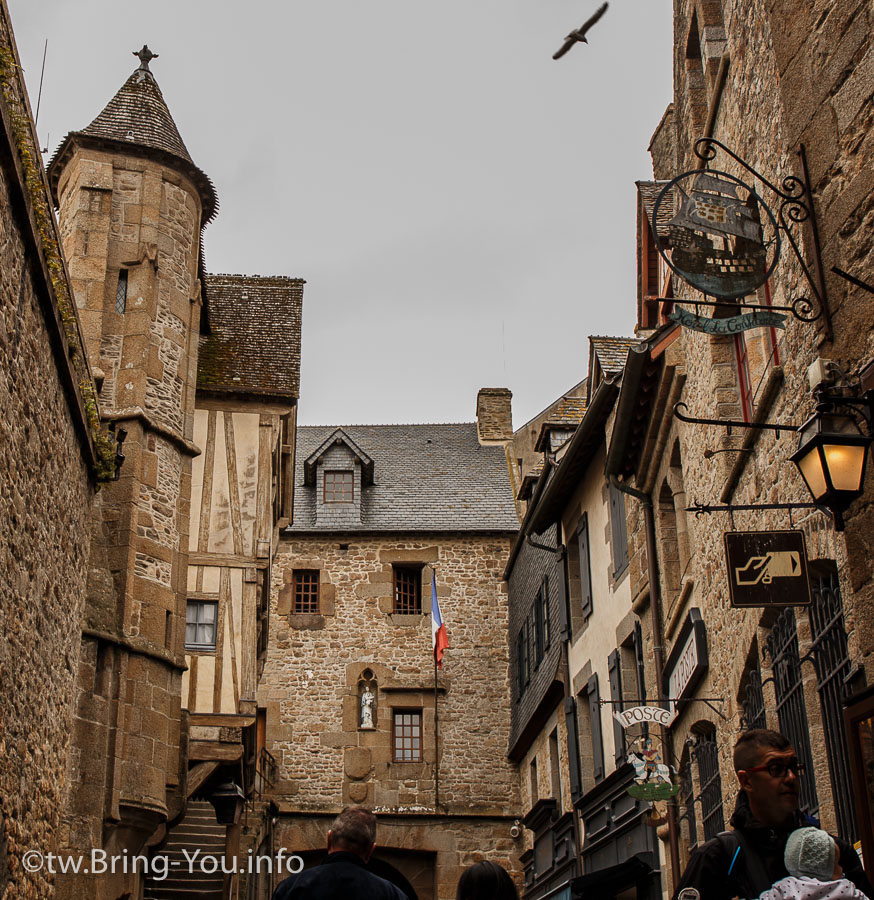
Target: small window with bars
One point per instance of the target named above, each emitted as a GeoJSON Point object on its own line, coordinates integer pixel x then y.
{"type": "Point", "coordinates": [407, 735]}
{"type": "Point", "coordinates": [306, 591]}
{"type": "Point", "coordinates": [407, 590]}
{"type": "Point", "coordinates": [200, 624]}
{"type": "Point", "coordinates": [339, 487]}
{"type": "Point", "coordinates": [121, 292]}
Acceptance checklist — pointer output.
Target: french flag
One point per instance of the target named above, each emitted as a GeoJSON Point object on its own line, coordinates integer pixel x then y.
{"type": "Point", "coordinates": [439, 638]}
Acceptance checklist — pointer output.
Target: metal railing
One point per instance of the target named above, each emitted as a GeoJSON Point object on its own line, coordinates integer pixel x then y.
{"type": "Point", "coordinates": [265, 773]}
{"type": "Point", "coordinates": [831, 660]}
{"type": "Point", "coordinates": [782, 647]}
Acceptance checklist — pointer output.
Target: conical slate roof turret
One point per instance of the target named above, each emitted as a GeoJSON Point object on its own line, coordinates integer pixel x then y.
{"type": "Point", "coordinates": [138, 118]}
{"type": "Point", "coordinates": [139, 115]}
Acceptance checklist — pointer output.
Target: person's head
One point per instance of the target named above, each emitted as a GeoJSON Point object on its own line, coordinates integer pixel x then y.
{"type": "Point", "coordinates": [486, 880]}
{"type": "Point", "coordinates": [768, 771]}
{"type": "Point", "coordinates": [354, 831]}
{"type": "Point", "coordinates": [813, 853]}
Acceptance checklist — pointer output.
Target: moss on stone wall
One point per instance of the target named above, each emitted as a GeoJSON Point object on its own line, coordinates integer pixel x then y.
{"type": "Point", "coordinates": [28, 155]}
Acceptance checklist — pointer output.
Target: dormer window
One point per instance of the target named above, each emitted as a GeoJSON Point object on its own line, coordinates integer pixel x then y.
{"type": "Point", "coordinates": [339, 487]}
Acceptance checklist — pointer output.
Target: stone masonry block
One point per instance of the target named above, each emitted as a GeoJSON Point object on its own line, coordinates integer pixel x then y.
{"type": "Point", "coordinates": [357, 763]}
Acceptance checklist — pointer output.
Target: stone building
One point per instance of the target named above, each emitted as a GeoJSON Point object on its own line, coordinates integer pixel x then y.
{"type": "Point", "coordinates": [51, 462]}
{"type": "Point", "coordinates": [353, 714]}
{"type": "Point", "coordinates": [766, 80]}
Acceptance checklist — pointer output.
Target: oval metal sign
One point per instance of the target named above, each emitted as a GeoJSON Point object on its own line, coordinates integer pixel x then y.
{"type": "Point", "coordinates": [716, 233]}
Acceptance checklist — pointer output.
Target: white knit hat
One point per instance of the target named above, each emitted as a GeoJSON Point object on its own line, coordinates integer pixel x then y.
{"type": "Point", "coordinates": [810, 852]}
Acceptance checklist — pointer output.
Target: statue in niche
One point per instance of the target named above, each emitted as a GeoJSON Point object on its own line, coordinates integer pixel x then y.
{"type": "Point", "coordinates": [367, 700]}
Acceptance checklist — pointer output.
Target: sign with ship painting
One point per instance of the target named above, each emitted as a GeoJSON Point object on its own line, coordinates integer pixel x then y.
{"type": "Point", "coordinates": [717, 234]}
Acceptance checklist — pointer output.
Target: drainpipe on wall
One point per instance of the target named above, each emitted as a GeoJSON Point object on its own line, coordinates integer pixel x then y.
{"type": "Point", "coordinates": [655, 607]}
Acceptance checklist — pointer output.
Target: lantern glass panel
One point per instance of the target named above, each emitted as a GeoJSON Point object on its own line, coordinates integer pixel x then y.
{"type": "Point", "coordinates": [811, 468]}
{"type": "Point", "coordinates": [845, 465]}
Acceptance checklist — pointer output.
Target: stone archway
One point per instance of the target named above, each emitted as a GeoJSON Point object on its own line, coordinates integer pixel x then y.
{"type": "Point", "coordinates": [411, 870]}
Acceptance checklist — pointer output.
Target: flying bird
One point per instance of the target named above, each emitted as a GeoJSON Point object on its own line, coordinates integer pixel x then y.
{"type": "Point", "coordinates": [579, 35]}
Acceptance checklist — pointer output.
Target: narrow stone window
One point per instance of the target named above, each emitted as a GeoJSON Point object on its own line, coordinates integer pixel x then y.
{"type": "Point", "coordinates": [407, 590]}
{"type": "Point", "coordinates": [200, 625]}
{"type": "Point", "coordinates": [339, 487]}
{"type": "Point", "coordinates": [407, 735]}
{"type": "Point", "coordinates": [306, 591]}
{"type": "Point", "coordinates": [533, 781]}
{"type": "Point", "coordinates": [121, 292]}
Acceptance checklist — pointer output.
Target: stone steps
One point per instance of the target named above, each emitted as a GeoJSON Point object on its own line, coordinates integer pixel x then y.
{"type": "Point", "coordinates": [185, 880]}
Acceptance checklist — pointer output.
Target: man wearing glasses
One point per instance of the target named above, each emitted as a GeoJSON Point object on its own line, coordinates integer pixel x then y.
{"type": "Point", "coordinates": [748, 860]}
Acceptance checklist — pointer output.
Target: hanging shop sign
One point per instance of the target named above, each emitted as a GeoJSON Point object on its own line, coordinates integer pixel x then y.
{"type": "Point", "coordinates": [731, 325]}
{"type": "Point", "coordinates": [638, 715]}
{"type": "Point", "coordinates": [767, 568]}
{"type": "Point", "coordinates": [688, 660]}
{"type": "Point", "coordinates": [652, 778]}
{"type": "Point", "coordinates": [716, 232]}
{"type": "Point", "coordinates": [722, 238]}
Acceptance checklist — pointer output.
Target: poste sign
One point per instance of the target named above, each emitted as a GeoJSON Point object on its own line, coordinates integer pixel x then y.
{"type": "Point", "coordinates": [639, 714]}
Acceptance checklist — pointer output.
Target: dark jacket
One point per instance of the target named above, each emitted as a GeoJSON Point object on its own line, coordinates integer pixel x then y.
{"type": "Point", "coordinates": [342, 876]}
{"type": "Point", "coordinates": [720, 872]}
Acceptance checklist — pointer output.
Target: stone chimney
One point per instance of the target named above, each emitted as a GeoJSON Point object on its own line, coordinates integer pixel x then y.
{"type": "Point", "coordinates": [494, 415]}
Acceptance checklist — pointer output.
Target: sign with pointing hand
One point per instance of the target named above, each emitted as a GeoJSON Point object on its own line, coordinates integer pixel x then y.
{"type": "Point", "coordinates": [767, 568]}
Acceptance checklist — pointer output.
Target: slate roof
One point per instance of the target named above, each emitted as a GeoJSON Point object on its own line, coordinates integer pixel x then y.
{"type": "Point", "coordinates": [138, 117]}
{"type": "Point", "coordinates": [253, 342]}
{"type": "Point", "coordinates": [611, 352]}
{"type": "Point", "coordinates": [531, 478]}
{"type": "Point", "coordinates": [425, 478]}
{"type": "Point", "coordinates": [648, 192]}
{"type": "Point", "coordinates": [565, 414]}
{"type": "Point", "coordinates": [138, 114]}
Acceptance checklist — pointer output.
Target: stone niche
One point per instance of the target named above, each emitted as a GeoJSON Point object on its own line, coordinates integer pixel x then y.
{"type": "Point", "coordinates": [367, 701]}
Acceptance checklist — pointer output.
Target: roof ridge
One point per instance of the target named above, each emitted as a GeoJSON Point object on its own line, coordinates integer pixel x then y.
{"type": "Point", "coordinates": [255, 277]}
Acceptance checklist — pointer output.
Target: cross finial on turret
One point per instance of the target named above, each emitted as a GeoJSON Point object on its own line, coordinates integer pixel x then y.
{"type": "Point", "coordinates": [146, 56]}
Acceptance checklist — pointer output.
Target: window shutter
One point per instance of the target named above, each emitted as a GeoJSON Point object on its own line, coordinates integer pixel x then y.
{"type": "Point", "coordinates": [585, 566]}
{"type": "Point", "coordinates": [573, 748]}
{"type": "Point", "coordinates": [618, 532]}
{"type": "Point", "coordinates": [595, 725]}
{"type": "Point", "coordinates": [614, 668]}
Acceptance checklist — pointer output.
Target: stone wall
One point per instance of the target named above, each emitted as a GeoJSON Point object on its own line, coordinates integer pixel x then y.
{"type": "Point", "coordinates": [317, 666]}
{"type": "Point", "coordinates": [430, 852]}
{"type": "Point", "coordinates": [44, 468]}
{"type": "Point", "coordinates": [793, 72]}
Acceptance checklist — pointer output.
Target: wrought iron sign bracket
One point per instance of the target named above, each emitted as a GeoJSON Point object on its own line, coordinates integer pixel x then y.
{"type": "Point", "coordinates": [796, 207]}
{"type": "Point", "coordinates": [709, 701]}
{"type": "Point", "coordinates": [701, 508]}
{"type": "Point", "coordinates": [728, 424]}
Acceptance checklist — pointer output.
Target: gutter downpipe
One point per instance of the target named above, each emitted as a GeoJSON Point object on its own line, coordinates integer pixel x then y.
{"type": "Point", "coordinates": [655, 606]}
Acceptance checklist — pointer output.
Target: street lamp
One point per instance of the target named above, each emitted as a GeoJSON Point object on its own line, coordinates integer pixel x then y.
{"type": "Point", "coordinates": [228, 801]}
{"type": "Point", "coordinates": [832, 452]}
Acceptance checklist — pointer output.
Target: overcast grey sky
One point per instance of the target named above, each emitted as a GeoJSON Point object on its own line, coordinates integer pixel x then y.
{"type": "Point", "coordinates": [461, 206]}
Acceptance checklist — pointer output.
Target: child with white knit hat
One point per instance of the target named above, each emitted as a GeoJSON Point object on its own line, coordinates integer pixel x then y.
{"type": "Point", "coordinates": [815, 873]}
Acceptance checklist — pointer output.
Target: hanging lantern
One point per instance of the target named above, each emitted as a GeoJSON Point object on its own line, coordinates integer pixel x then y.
{"type": "Point", "coordinates": [831, 458]}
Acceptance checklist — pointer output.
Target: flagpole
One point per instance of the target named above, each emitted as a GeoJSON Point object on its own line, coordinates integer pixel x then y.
{"type": "Point", "coordinates": [436, 743]}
